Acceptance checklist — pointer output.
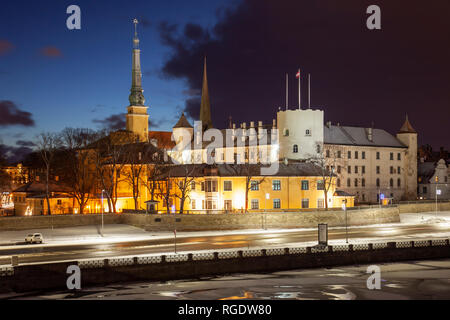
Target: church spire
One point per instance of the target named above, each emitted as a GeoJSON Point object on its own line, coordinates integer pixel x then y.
{"type": "Point", "coordinates": [205, 107]}
{"type": "Point", "coordinates": [136, 96]}
{"type": "Point", "coordinates": [407, 127]}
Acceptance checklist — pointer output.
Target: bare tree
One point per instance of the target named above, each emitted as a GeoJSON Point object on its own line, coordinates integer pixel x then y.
{"type": "Point", "coordinates": [5, 184]}
{"type": "Point", "coordinates": [81, 173]}
{"type": "Point", "coordinates": [184, 183]}
{"type": "Point", "coordinates": [328, 164]}
{"type": "Point", "coordinates": [48, 144]}
{"type": "Point", "coordinates": [249, 171]}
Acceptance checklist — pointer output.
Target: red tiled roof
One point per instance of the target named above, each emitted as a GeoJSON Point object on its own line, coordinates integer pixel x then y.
{"type": "Point", "coordinates": [164, 139]}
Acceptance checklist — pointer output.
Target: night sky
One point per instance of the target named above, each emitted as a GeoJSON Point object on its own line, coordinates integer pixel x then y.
{"type": "Point", "coordinates": [52, 77]}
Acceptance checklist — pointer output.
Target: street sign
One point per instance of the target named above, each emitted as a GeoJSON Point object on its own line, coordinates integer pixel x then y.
{"type": "Point", "coordinates": [323, 234]}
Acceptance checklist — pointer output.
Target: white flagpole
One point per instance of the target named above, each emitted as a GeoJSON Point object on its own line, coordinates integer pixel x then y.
{"type": "Point", "coordinates": [287, 91]}
{"type": "Point", "coordinates": [309, 91]}
{"type": "Point", "coordinates": [299, 100]}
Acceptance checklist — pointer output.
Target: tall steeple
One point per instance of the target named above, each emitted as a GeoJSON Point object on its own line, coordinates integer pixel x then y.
{"type": "Point", "coordinates": [205, 107]}
{"type": "Point", "coordinates": [136, 96]}
{"type": "Point", "coordinates": [137, 117]}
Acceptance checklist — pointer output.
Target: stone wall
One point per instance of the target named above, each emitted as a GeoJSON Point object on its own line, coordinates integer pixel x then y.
{"type": "Point", "coordinates": [57, 221]}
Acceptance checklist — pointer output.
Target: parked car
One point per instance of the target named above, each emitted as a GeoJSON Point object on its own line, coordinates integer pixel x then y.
{"type": "Point", "coordinates": [34, 238]}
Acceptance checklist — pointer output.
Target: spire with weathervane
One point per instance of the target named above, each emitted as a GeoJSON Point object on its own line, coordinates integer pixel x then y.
{"type": "Point", "coordinates": [137, 117]}
{"type": "Point", "coordinates": [205, 107]}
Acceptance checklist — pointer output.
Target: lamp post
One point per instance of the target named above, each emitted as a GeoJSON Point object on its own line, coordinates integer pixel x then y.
{"type": "Point", "coordinates": [436, 194]}
{"type": "Point", "coordinates": [102, 212]}
{"type": "Point", "coordinates": [344, 207]}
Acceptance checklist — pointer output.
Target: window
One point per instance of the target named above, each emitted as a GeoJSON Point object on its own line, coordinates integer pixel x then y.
{"type": "Point", "coordinates": [378, 156]}
{"type": "Point", "coordinates": [399, 183]}
{"type": "Point", "coordinates": [320, 185]}
{"type": "Point", "coordinates": [339, 154]}
{"type": "Point", "coordinates": [348, 183]}
{"type": "Point", "coordinates": [378, 182]}
{"type": "Point", "coordinates": [399, 156]}
{"type": "Point", "coordinates": [193, 185]}
{"type": "Point", "coordinates": [254, 185]}
{"type": "Point", "coordinates": [356, 169]}
{"type": "Point", "coordinates": [339, 169]}
{"type": "Point", "coordinates": [328, 153]}
{"type": "Point", "coordinates": [318, 148]}
{"type": "Point", "coordinates": [356, 182]}
{"type": "Point", "coordinates": [349, 154]}
{"type": "Point", "coordinates": [227, 186]}
{"type": "Point", "coordinates": [276, 185]}
{"type": "Point", "coordinates": [193, 204]}
{"type": "Point", "coordinates": [363, 182]}
{"type": "Point", "coordinates": [378, 169]}
{"type": "Point", "coordinates": [398, 170]}
{"type": "Point", "coordinates": [286, 132]}
{"type": "Point", "coordinates": [356, 154]}
{"type": "Point", "coordinates": [211, 204]}
{"type": "Point", "coordinates": [228, 205]}
{"type": "Point", "coordinates": [276, 203]}
{"type": "Point", "coordinates": [308, 132]}
{"type": "Point", "coordinates": [391, 169]}
{"type": "Point", "coordinates": [338, 183]}
{"type": "Point", "coordinates": [391, 182]}
{"type": "Point", "coordinates": [255, 204]}
{"type": "Point", "coordinates": [295, 149]}
{"type": "Point", "coordinates": [211, 186]}
{"type": "Point", "coordinates": [391, 156]}
{"type": "Point", "coordinates": [363, 155]}
{"type": "Point", "coordinates": [305, 185]}
{"type": "Point", "coordinates": [363, 169]}
{"type": "Point", "coordinates": [349, 169]}
{"type": "Point", "coordinates": [59, 202]}
{"type": "Point", "coordinates": [305, 203]}
{"type": "Point", "coordinates": [320, 203]}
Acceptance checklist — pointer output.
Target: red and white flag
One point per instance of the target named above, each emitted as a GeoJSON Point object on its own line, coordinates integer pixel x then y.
{"type": "Point", "coordinates": [298, 74]}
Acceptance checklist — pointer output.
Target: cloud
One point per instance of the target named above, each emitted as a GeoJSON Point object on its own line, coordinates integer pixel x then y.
{"type": "Point", "coordinates": [25, 143]}
{"type": "Point", "coordinates": [353, 70]}
{"type": "Point", "coordinates": [10, 115]}
{"type": "Point", "coordinates": [51, 52]}
{"type": "Point", "coordinates": [5, 47]}
{"type": "Point", "coordinates": [14, 154]}
{"type": "Point", "coordinates": [113, 122]}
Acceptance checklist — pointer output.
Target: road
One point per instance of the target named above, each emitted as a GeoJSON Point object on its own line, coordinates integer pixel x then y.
{"type": "Point", "coordinates": [46, 253]}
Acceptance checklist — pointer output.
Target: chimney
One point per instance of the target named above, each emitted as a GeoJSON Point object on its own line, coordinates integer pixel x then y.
{"type": "Point", "coordinates": [259, 124]}
{"type": "Point", "coordinates": [370, 134]}
{"type": "Point", "coordinates": [252, 124]}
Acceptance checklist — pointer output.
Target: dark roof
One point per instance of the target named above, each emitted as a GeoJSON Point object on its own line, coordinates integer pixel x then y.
{"type": "Point", "coordinates": [425, 171]}
{"type": "Point", "coordinates": [183, 122]}
{"type": "Point", "coordinates": [39, 187]}
{"type": "Point", "coordinates": [358, 136]}
{"type": "Point", "coordinates": [340, 193]}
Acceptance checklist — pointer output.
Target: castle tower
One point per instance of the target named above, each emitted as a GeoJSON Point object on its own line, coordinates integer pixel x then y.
{"type": "Point", "coordinates": [408, 136]}
{"type": "Point", "coordinates": [300, 133]}
{"type": "Point", "coordinates": [137, 117]}
{"type": "Point", "coordinates": [205, 107]}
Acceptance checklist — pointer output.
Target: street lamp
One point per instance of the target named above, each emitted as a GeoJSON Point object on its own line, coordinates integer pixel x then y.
{"type": "Point", "coordinates": [102, 212]}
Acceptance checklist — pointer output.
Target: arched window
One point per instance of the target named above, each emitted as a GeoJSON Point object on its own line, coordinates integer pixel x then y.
{"type": "Point", "coordinates": [295, 148]}
{"type": "Point", "coordinates": [356, 182]}
{"type": "Point", "coordinates": [399, 182]}
{"type": "Point", "coordinates": [348, 182]}
{"type": "Point", "coordinates": [391, 182]}
{"type": "Point", "coordinates": [378, 182]}
{"type": "Point", "coordinates": [363, 183]}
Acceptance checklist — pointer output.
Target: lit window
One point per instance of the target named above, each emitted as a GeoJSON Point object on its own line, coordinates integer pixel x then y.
{"type": "Point", "coordinates": [276, 185]}
{"type": "Point", "coordinates": [305, 185]}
